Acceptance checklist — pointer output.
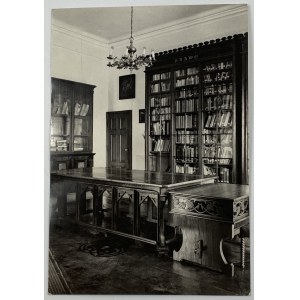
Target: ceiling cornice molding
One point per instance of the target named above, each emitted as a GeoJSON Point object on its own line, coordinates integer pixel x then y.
{"type": "Point", "coordinates": [76, 33]}
{"type": "Point", "coordinates": [179, 25]}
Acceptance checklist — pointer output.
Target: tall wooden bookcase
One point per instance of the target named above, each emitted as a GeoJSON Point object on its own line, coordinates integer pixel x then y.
{"type": "Point", "coordinates": [71, 128]}
{"type": "Point", "coordinates": [196, 108]}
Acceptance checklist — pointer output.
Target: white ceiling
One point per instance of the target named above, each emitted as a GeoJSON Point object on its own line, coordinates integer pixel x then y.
{"type": "Point", "coordinates": [113, 23]}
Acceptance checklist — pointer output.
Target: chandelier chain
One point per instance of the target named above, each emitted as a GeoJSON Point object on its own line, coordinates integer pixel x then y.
{"type": "Point", "coordinates": [129, 60]}
{"type": "Point", "coordinates": [131, 19]}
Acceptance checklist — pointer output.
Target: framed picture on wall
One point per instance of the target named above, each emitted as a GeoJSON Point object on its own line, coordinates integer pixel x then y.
{"type": "Point", "coordinates": [127, 87]}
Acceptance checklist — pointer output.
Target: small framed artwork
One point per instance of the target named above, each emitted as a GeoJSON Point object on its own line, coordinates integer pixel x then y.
{"type": "Point", "coordinates": [141, 116]}
{"type": "Point", "coordinates": [127, 87]}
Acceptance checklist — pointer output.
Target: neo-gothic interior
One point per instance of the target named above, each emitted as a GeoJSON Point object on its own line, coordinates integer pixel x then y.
{"type": "Point", "coordinates": [149, 168]}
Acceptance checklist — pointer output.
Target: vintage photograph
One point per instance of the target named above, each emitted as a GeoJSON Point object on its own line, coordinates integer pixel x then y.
{"type": "Point", "coordinates": [149, 195]}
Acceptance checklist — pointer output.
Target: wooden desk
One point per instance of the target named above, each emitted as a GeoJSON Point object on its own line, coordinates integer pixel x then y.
{"type": "Point", "coordinates": [207, 216]}
{"type": "Point", "coordinates": [138, 185]}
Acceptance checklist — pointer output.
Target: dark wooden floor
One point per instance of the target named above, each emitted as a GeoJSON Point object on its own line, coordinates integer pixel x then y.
{"type": "Point", "coordinates": [134, 268]}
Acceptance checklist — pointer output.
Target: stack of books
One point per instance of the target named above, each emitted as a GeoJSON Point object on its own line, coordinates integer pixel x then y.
{"type": "Point", "coordinates": [62, 145]}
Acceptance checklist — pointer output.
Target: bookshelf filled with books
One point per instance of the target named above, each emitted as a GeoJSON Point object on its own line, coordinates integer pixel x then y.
{"type": "Point", "coordinates": [217, 119]}
{"type": "Point", "coordinates": [186, 116]}
{"type": "Point", "coordinates": [159, 121]}
{"type": "Point", "coordinates": [71, 130]}
{"type": "Point", "coordinates": [195, 124]}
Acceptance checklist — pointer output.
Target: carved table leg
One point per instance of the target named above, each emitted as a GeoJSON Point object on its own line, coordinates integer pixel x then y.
{"type": "Point", "coordinates": [96, 206]}
{"type": "Point", "coordinates": [78, 201]}
{"type": "Point", "coordinates": [114, 198]}
{"type": "Point", "coordinates": [162, 248]}
{"type": "Point", "coordinates": [136, 214]}
{"type": "Point", "coordinates": [61, 200]}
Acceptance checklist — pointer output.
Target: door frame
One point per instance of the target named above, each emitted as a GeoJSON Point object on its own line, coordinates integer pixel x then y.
{"type": "Point", "coordinates": [129, 115]}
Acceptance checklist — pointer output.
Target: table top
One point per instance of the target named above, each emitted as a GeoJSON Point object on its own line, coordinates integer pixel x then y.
{"type": "Point", "coordinates": [217, 191]}
{"type": "Point", "coordinates": [142, 177]}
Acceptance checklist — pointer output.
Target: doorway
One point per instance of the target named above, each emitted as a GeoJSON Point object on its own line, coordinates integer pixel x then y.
{"type": "Point", "coordinates": [119, 139]}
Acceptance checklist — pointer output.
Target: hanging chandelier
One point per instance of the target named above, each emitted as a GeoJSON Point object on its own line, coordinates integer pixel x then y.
{"type": "Point", "coordinates": [129, 60]}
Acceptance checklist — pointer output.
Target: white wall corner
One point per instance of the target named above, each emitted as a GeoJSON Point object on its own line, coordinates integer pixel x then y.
{"type": "Point", "coordinates": [220, 14]}
{"type": "Point", "coordinates": [76, 33]}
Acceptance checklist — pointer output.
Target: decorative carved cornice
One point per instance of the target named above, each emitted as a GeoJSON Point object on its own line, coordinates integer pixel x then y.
{"type": "Point", "coordinates": [202, 44]}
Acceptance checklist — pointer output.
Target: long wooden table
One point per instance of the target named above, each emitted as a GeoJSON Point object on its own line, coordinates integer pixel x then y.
{"type": "Point", "coordinates": [208, 216]}
{"type": "Point", "coordinates": [138, 184]}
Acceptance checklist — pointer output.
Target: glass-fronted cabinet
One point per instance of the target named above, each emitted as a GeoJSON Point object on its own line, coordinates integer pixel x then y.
{"type": "Point", "coordinates": [71, 124]}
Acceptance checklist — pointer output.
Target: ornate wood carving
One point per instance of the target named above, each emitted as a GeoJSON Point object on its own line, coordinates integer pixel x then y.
{"type": "Point", "coordinates": [195, 52]}
{"type": "Point", "coordinates": [218, 209]}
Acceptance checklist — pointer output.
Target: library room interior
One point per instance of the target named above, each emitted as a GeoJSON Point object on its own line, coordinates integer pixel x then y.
{"type": "Point", "coordinates": [149, 151]}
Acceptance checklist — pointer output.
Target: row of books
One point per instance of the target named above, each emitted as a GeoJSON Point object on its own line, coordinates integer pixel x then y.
{"type": "Point", "coordinates": [219, 119]}
{"type": "Point", "coordinates": [161, 128]}
{"type": "Point", "coordinates": [218, 102]}
{"type": "Point", "coordinates": [160, 87]}
{"type": "Point", "coordinates": [188, 71]}
{"type": "Point", "coordinates": [187, 93]}
{"type": "Point", "coordinates": [222, 130]}
{"type": "Point", "coordinates": [209, 171]}
{"type": "Point", "coordinates": [186, 121]}
{"type": "Point", "coordinates": [157, 101]}
{"type": "Point", "coordinates": [189, 105]}
{"type": "Point", "coordinates": [161, 114]}
{"type": "Point", "coordinates": [161, 76]}
{"type": "Point", "coordinates": [194, 79]}
{"type": "Point", "coordinates": [187, 153]}
{"type": "Point", "coordinates": [161, 145]}
{"type": "Point", "coordinates": [219, 161]}
{"type": "Point", "coordinates": [220, 76]}
{"type": "Point", "coordinates": [219, 89]}
{"type": "Point", "coordinates": [186, 137]}
{"type": "Point", "coordinates": [81, 109]}
{"type": "Point", "coordinates": [217, 152]}
{"type": "Point", "coordinates": [61, 109]}
{"type": "Point", "coordinates": [223, 65]}
{"type": "Point", "coordinates": [217, 139]}
{"type": "Point", "coordinates": [210, 139]}
{"type": "Point", "coordinates": [224, 175]}
{"type": "Point", "coordinates": [78, 145]}
{"type": "Point", "coordinates": [62, 145]}
{"type": "Point", "coordinates": [185, 169]}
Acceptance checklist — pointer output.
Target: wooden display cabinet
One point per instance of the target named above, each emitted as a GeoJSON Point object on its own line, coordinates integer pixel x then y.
{"type": "Point", "coordinates": [71, 127]}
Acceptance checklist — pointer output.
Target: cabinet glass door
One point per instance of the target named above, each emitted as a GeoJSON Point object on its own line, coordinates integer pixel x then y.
{"type": "Point", "coordinates": [82, 125]}
{"type": "Point", "coordinates": [186, 118]}
{"type": "Point", "coordinates": [217, 132]}
{"type": "Point", "coordinates": [60, 127]}
{"type": "Point", "coordinates": [160, 122]}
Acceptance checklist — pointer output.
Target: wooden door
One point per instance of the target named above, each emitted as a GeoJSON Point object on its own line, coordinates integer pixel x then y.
{"type": "Point", "coordinates": [119, 139]}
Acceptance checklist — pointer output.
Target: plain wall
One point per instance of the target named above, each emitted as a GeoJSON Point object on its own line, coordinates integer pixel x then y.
{"type": "Point", "coordinates": [76, 58]}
